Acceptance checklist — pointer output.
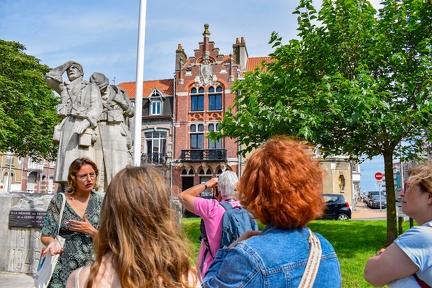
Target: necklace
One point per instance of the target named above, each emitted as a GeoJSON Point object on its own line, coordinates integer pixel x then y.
{"type": "Point", "coordinates": [80, 199]}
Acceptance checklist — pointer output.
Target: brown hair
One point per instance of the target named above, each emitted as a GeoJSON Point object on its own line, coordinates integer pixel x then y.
{"type": "Point", "coordinates": [282, 184]}
{"type": "Point", "coordinates": [139, 229]}
{"type": "Point", "coordinates": [74, 167]}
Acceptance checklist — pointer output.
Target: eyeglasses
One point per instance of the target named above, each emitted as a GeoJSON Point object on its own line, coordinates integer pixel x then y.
{"type": "Point", "coordinates": [92, 175]}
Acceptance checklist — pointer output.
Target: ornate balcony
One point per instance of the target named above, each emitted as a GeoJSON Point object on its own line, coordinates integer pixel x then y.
{"type": "Point", "coordinates": [154, 158]}
{"type": "Point", "coordinates": [203, 155]}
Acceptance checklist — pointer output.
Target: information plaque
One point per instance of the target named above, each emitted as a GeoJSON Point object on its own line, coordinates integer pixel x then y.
{"type": "Point", "coordinates": [27, 219]}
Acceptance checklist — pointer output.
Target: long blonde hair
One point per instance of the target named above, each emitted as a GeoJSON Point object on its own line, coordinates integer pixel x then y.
{"type": "Point", "coordinates": [140, 230]}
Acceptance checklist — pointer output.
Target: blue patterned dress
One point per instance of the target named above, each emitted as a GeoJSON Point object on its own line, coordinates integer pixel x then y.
{"type": "Point", "coordinates": [78, 248]}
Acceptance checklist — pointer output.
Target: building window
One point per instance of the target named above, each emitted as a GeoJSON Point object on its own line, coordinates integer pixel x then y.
{"type": "Point", "coordinates": [197, 136]}
{"type": "Point", "coordinates": [156, 102]}
{"type": "Point", "coordinates": [215, 98]}
{"type": "Point", "coordinates": [156, 108]}
{"type": "Point", "coordinates": [214, 144]}
{"type": "Point", "coordinates": [156, 147]}
{"type": "Point", "coordinates": [197, 99]}
{"type": "Point", "coordinates": [50, 184]}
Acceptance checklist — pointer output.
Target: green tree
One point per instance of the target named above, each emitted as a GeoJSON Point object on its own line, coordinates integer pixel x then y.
{"type": "Point", "coordinates": [27, 104]}
{"type": "Point", "coordinates": [356, 82]}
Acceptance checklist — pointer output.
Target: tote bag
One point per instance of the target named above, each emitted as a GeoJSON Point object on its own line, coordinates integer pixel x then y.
{"type": "Point", "coordinates": [48, 262]}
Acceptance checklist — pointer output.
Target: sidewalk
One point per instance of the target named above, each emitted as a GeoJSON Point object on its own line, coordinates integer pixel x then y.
{"type": "Point", "coordinates": [15, 280]}
{"type": "Point", "coordinates": [362, 212]}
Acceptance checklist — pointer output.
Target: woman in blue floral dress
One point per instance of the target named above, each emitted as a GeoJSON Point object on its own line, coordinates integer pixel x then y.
{"type": "Point", "coordinates": [79, 223]}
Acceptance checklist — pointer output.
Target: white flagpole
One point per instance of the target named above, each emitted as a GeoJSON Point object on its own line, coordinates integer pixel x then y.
{"type": "Point", "coordinates": [139, 84]}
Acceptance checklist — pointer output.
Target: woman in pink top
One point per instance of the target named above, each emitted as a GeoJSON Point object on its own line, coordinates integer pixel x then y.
{"type": "Point", "coordinates": [211, 212]}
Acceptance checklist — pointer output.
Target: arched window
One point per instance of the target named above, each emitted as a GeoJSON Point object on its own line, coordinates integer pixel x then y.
{"type": "Point", "coordinates": [214, 144]}
{"type": "Point", "coordinates": [197, 136]}
{"type": "Point", "coordinates": [215, 99]}
{"type": "Point", "coordinates": [197, 99]}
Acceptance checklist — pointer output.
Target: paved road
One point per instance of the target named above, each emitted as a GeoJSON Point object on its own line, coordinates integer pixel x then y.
{"type": "Point", "coordinates": [362, 212]}
{"type": "Point", "coordinates": [15, 280]}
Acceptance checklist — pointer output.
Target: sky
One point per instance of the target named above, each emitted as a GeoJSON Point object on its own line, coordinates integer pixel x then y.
{"type": "Point", "coordinates": [102, 35]}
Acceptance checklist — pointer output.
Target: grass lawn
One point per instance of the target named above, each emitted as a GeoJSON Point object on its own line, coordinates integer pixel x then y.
{"type": "Point", "coordinates": [354, 241]}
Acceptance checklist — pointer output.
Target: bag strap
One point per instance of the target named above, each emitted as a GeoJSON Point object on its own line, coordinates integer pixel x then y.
{"type": "Point", "coordinates": [61, 212]}
{"type": "Point", "coordinates": [226, 205]}
{"type": "Point", "coordinates": [313, 263]}
{"type": "Point", "coordinates": [207, 250]}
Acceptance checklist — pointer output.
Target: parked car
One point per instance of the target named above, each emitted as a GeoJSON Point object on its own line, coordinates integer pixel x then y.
{"type": "Point", "coordinates": [337, 207]}
{"type": "Point", "coordinates": [378, 201]}
{"type": "Point", "coordinates": [371, 194]}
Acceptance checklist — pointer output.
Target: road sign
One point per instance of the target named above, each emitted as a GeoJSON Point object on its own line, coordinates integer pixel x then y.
{"type": "Point", "coordinates": [378, 176]}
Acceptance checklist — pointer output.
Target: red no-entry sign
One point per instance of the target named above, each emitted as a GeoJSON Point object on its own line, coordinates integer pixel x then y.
{"type": "Point", "coordinates": [378, 176]}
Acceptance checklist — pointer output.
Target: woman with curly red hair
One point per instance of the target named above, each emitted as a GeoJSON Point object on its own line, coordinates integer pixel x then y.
{"type": "Point", "coordinates": [282, 186]}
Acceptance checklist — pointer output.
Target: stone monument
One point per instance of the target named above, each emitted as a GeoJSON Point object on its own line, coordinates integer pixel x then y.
{"type": "Point", "coordinates": [114, 142]}
{"type": "Point", "coordinates": [80, 109]}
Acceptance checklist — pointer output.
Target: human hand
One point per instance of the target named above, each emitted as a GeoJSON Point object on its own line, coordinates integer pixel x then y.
{"type": "Point", "coordinates": [248, 234]}
{"type": "Point", "coordinates": [212, 183]}
{"type": "Point", "coordinates": [54, 247]}
{"type": "Point", "coordinates": [80, 127]}
{"type": "Point", "coordinates": [81, 226]}
{"type": "Point", "coordinates": [380, 252]}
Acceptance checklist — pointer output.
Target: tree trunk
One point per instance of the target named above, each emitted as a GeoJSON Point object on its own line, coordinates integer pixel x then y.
{"type": "Point", "coordinates": [391, 197]}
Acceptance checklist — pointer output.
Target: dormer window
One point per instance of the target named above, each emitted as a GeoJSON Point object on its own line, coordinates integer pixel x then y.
{"type": "Point", "coordinates": [156, 102]}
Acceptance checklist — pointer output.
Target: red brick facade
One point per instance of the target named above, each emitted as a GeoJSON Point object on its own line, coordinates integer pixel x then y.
{"type": "Point", "coordinates": [201, 95]}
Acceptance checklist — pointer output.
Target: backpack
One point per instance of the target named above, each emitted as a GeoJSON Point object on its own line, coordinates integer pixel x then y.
{"type": "Point", "coordinates": [235, 221]}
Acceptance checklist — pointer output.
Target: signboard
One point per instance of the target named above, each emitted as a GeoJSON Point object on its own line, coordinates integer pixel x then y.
{"type": "Point", "coordinates": [378, 176]}
{"type": "Point", "coordinates": [28, 219]}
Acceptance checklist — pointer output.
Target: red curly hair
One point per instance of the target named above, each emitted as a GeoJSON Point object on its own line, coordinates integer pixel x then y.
{"type": "Point", "coordinates": [282, 184]}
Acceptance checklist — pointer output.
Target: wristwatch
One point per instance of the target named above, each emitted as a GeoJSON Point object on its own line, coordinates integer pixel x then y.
{"type": "Point", "coordinates": [205, 185]}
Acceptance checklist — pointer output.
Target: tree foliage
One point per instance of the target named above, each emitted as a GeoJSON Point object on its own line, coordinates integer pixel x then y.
{"type": "Point", "coordinates": [356, 82]}
{"type": "Point", "coordinates": [27, 104]}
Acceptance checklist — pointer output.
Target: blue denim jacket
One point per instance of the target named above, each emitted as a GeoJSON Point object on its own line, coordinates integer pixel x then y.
{"type": "Point", "coordinates": [275, 258]}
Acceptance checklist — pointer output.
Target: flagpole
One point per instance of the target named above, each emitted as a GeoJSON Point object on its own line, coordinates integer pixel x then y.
{"type": "Point", "coordinates": [139, 84]}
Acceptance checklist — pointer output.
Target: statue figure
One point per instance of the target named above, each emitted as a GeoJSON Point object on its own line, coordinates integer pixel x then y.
{"type": "Point", "coordinates": [114, 144]}
{"type": "Point", "coordinates": [80, 109]}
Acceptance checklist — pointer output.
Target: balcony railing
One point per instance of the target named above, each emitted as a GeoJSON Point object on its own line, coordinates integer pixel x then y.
{"type": "Point", "coordinates": [206, 155]}
{"type": "Point", "coordinates": [154, 158]}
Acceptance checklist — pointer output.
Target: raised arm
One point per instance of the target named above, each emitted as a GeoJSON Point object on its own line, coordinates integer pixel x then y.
{"type": "Point", "coordinates": [187, 197]}
{"type": "Point", "coordinates": [54, 77]}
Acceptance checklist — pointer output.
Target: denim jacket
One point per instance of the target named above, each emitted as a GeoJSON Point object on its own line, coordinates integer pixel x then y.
{"type": "Point", "coordinates": [275, 258]}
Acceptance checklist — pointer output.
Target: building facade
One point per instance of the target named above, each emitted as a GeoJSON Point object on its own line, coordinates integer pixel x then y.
{"type": "Point", "coordinates": [26, 175]}
{"type": "Point", "coordinates": [178, 114]}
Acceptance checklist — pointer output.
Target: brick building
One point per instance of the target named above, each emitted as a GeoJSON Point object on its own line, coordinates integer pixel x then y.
{"type": "Point", "coordinates": [24, 174]}
{"type": "Point", "coordinates": [179, 112]}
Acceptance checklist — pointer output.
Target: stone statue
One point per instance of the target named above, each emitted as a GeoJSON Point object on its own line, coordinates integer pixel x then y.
{"type": "Point", "coordinates": [80, 108]}
{"type": "Point", "coordinates": [114, 144]}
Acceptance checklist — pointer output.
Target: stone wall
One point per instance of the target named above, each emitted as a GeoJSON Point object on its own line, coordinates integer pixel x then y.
{"type": "Point", "coordinates": [20, 246]}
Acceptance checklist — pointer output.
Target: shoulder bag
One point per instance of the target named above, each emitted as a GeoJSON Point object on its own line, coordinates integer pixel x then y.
{"type": "Point", "coordinates": [313, 263]}
{"type": "Point", "coordinates": [48, 262]}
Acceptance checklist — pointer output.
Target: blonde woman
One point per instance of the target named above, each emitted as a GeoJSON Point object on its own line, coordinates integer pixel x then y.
{"type": "Point", "coordinates": [407, 262]}
{"type": "Point", "coordinates": [139, 242]}
{"type": "Point", "coordinates": [79, 224]}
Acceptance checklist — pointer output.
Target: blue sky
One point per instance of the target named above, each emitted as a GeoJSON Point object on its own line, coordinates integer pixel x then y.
{"type": "Point", "coordinates": [102, 35]}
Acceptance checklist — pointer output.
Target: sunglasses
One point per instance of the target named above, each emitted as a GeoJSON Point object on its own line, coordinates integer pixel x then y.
{"type": "Point", "coordinates": [407, 186]}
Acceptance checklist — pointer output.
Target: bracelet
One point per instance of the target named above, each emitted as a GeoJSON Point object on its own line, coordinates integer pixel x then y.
{"type": "Point", "coordinates": [205, 185]}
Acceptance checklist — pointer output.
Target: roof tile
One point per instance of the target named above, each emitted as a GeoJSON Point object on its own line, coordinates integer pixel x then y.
{"type": "Point", "coordinates": [166, 86]}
